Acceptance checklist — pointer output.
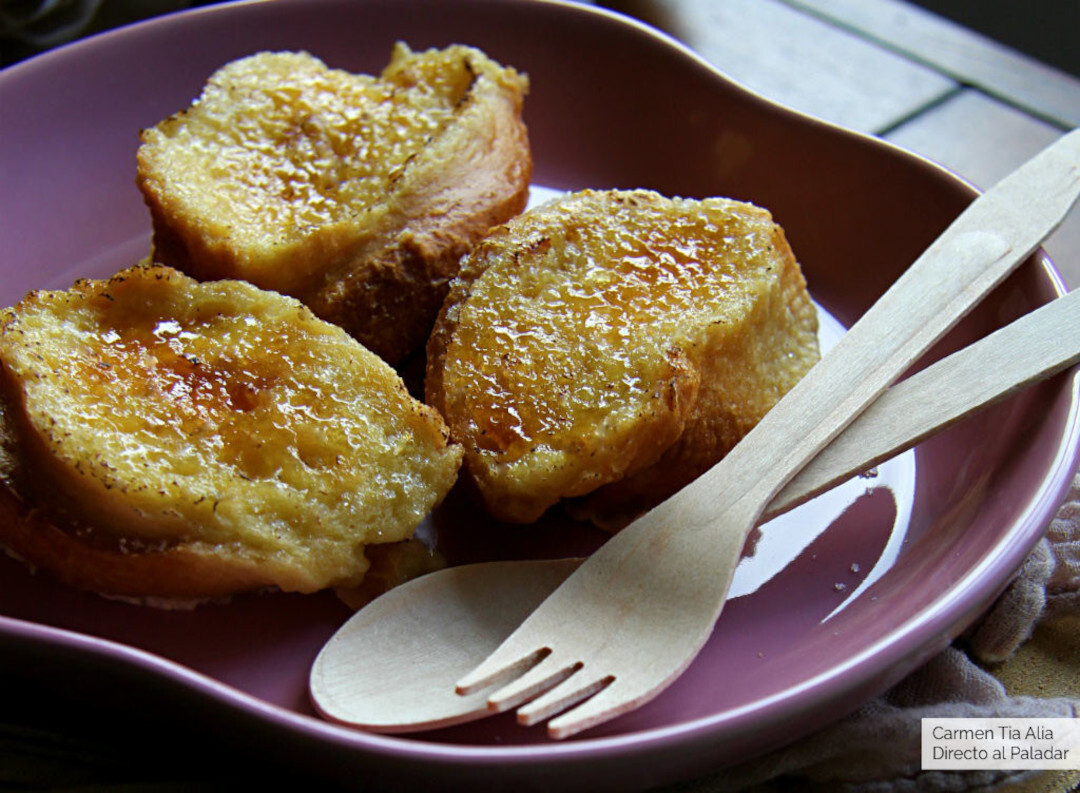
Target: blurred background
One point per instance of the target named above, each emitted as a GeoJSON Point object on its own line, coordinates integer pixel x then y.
{"type": "Point", "coordinates": [28, 27]}
{"type": "Point", "coordinates": [1045, 29]}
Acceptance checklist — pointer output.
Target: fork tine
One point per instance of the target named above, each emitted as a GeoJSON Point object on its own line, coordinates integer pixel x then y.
{"type": "Point", "coordinates": [549, 673]}
{"type": "Point", "coordinates": [608, 703]}
{"type": "Point", "coordinates": [499, 668]}
{"type": "Point", "coordinates": [566, 694]}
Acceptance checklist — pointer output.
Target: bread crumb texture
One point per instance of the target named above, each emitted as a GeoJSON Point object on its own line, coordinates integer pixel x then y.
{"type": "Point", "coordinates": [150, 414]}
{"type": "Point", "coordinates": [610, 346]}
{"type": "Point", "coordinates": [356, 194]}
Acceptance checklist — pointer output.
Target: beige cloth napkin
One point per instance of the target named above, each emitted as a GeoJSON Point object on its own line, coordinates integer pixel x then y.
{"type": "Point", "coordinates": [1021, 660]}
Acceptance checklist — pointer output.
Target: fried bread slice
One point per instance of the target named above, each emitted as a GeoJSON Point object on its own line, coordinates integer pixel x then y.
{"type": "Point", "coordinates": [610, 346]}
{"type": "Point", "coordinates": [165, 438]}
{"type": "Point", "coordinates": [356, 194]}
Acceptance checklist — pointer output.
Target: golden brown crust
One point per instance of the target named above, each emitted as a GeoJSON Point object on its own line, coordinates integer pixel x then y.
{"type": "Point", "coordinates": [173, 573]}
{"type": "Point", "coordinates": [608, 347]}
{"type": "Point", "coordinates": [165, 438]}
{"type": "Point", "coordinates": [745, 374]}
{"type": "Point", "coordinates": [446, 205]}
{"type": "Point", "coordinates": [179, 576]}
{"type": "Point", "coordinates": [379, 260]}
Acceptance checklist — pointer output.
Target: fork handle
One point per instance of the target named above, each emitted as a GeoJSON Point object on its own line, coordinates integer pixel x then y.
{"type": "Point", "coordinates": [984, 244]}
{"type": "Point", "coordinates": [1036, 346]}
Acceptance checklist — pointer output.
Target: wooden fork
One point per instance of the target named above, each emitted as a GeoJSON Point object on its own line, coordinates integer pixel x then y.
{"type": "Point", "coordinates": [636, 613]}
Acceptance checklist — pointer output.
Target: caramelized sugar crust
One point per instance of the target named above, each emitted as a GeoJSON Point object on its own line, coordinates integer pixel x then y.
{"type": "Point", "coordinates": [610, 346]}
{"type": "Point", "coordinates": [356, 194]}
{"type": "Point", "coordinates": [176, 438]}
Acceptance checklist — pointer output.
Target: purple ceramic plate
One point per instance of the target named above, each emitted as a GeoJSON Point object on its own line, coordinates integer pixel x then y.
{"type": "Point", "coordinates": [864, 592]}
